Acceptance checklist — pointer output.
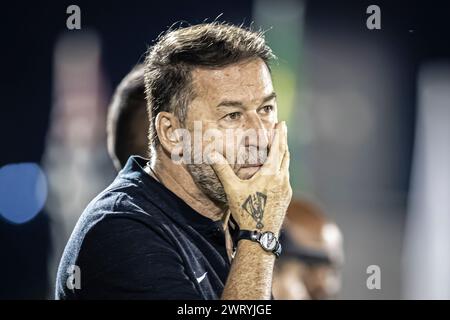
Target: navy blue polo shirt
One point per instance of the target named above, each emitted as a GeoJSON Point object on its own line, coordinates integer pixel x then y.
{"type": "Point", "coordinates": [138, 240]}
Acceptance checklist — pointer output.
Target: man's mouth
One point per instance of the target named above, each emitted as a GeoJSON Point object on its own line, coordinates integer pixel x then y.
{"type": "Point", "coordinates": [246, 171]}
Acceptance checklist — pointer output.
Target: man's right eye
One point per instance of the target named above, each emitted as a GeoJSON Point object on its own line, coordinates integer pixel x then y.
{"type": "Point", "coordinates": [233, 116]}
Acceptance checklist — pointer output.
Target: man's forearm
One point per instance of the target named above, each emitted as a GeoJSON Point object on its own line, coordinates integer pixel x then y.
{"type": "Point", "coordinates": [264, 199]}
{"type": "Point", "coordinates": [251, 272]}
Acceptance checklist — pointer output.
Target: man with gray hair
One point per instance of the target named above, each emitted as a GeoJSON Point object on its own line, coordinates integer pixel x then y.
{"type": "Point", "coordinates": [190, 229]}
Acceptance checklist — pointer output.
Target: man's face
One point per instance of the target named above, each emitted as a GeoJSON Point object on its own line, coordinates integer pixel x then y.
{"type": "Point", "coordinates": [322, 280]}
{"type": "Point", "coordinates": [237, 105]}
{"type": "Point", "coordinates": [288, 281]}
{"type": "Point", "coordinates": [296, 280]}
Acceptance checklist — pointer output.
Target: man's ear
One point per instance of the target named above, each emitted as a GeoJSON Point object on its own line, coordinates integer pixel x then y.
{"type": "Point", "coordinates": [166, 123]}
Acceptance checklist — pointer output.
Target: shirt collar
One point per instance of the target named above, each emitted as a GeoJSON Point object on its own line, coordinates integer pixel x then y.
{"type": "Point", "coordinates": [167, 201]}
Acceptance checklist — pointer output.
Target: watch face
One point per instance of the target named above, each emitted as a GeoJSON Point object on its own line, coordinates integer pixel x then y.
{"type": "Point", "coordinates": [268, 241]}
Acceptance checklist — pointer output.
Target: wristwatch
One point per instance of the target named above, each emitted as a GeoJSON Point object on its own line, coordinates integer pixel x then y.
{"type": "Point", "coordinates": [267, 240]}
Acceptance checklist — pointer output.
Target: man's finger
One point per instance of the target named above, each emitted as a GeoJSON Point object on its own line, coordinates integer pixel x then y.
{"type": "Point", "coordinates": [273, 161]}
{"type": "Point", "coordinates": [222, 168]}
{"type": "Point", "coordinates": [285, 163]}
{"type": "Point", "coordinates": [283, 147]}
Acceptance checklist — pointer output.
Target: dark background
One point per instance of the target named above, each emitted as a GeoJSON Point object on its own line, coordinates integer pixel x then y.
{"type": "Point", "coordinates": [29, 33]}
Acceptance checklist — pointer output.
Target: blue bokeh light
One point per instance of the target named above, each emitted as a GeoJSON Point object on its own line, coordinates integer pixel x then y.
{"type": "Point", "coordinates": [23, 191]}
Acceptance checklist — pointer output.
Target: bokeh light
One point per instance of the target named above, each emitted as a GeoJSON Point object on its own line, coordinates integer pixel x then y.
{"type": "Point", "coordinates": [23, 191]}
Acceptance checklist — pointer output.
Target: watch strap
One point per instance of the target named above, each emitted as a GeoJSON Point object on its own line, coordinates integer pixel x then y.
{"type": "Point", "coordinates": [255, 237]}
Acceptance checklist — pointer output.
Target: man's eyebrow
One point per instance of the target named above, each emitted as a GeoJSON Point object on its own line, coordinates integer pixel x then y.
{"type": "Point", "coordinates": [271, 96]}
{"type": "Point", "coordinates": [232, 103]}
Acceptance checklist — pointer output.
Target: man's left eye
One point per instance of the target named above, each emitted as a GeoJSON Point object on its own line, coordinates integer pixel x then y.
{"type": "Point", "coordinates": [267, 109]}
{"type": "Point", "coordinates": [233, 116]}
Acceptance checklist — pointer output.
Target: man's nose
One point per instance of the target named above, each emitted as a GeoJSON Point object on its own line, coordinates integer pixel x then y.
{"type": "Point", "coordinates": [260, 134]}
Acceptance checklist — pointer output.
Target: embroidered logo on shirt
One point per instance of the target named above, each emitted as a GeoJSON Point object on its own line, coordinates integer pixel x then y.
{"type": "Point", "coordinates": [200, 279]}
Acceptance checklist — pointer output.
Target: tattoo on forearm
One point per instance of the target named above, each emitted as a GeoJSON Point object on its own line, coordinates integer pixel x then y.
{"type": "Point", "coordinates": [255, 205]}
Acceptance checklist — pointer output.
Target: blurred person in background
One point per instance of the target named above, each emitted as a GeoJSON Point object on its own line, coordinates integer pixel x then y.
{"type": "Point", "coordinates": [310, 267]}
{"type": "Point", "coordinates": [127, 120]}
